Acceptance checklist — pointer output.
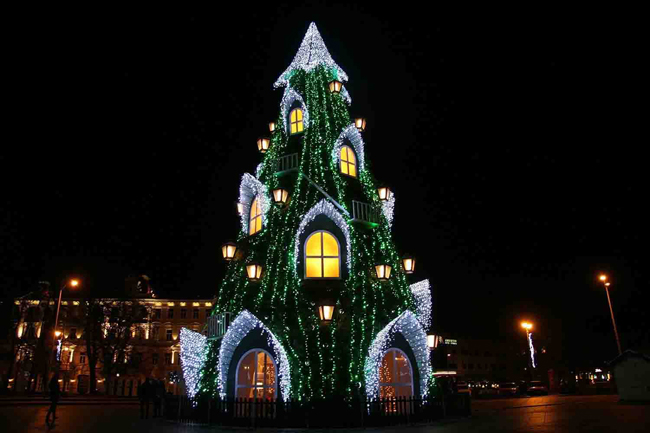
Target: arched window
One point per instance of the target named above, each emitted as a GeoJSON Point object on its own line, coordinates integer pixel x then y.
{"type": "Point", "coordinates": [348, 161]}
{"type": "Point", "coordinates": [395, 375]}
{"type": "Point", "coordinates": [322, 256]}
{"type": "Point", "coordinates": [255, 221]}
{"type": "Point", "coordinates": [296, 120]}
{"type": "Point", "coordinates": [256, 376]}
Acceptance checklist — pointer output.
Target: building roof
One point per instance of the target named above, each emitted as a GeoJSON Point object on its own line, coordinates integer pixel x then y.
{"type": "Point", "coordinates": [626, 355]}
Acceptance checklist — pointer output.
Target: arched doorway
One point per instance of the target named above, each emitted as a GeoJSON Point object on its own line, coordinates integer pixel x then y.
{"type": "Point", "coordinates": [256, 376]}
{"type": "Point", "coordinates": [395, 375]}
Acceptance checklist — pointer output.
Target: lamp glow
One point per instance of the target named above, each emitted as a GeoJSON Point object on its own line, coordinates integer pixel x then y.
{"type": "Point", "coordinates": [409, 264]}
{"type": "Point", "coordinates": [383, 271]}
{"type": "Point", "coordinates": [335, 86]}
{"type": "Point", "coordinates": [272, 126]}
{"type": "Point", "coordinates": [360, 123]}
{"type": "Point", "coordinates": [254, 271]}
{"type": "Point", "coordinates": [326, 313]}
{"type": "Point", "coordinates": [384, 193]}
{"type": "Point", "coordinates": [263, 144]}
{"type": "Point", "coordinates": [280, 196]}
{"type": "Point", "coordinates": [229, 249]}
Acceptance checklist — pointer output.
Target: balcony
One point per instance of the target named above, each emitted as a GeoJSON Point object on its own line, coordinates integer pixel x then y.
{"type": "Point", "coordinates": [287, 163]}
{"type": "Point", "coordinates": [364, 212]}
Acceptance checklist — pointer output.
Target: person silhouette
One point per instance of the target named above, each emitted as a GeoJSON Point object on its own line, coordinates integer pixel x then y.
{"type": "Point", "coordinates": [55, 393]}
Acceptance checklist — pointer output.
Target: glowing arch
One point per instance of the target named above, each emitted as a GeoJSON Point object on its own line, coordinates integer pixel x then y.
{"type": "Point", "coordinates": [290, 96]}
{"type": "Point", "coordinates": [250, 188]}
{"type": "Point", "coordinates": [244, 323]}
{"type": "Point", "coordinates": [352, 134]}
{"type": "Point", "coordinates": [408, 325]}
{"type": "Point", "coordinates": [326, 208]}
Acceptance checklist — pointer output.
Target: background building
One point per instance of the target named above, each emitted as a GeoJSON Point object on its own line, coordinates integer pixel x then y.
{"type": "Point", "coordinates": [131, 338]}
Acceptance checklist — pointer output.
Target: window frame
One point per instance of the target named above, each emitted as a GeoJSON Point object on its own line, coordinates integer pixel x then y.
{"type": "Point", "coordinates": [322, 257]}
{"type": "Point", "coordinates": [301, 121]}
{"type": "Point", "coordinates": [355, 164]}
{"type": "Point", "coordinates": [255, 387]}
{"type": "Point", "coordinates": [397, 384]}
{"type": "Point", "coordinates": [251, 219]}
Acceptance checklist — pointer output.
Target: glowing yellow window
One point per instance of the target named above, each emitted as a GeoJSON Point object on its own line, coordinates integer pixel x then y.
{"type": "Point", "coordinates": [322, 256]}
{"type": "Point", "coordinates": [255, 222]}
{"type": "Point", "coordinates": [348, 161]}
{"type": "Point", "coordinates": [297, 125]}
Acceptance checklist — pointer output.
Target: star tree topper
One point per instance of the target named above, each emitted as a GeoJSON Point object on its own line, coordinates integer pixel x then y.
{"type": "Point", "coordinates": [312, 52]}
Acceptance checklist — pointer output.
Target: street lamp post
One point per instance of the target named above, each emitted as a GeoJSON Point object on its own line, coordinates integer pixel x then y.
{"type": "Point", "coordinates": [530, 362]}
{"type": "Point", "coordinates": [57, 333]}
{"type": "Point", "coordinates": [603, 278]}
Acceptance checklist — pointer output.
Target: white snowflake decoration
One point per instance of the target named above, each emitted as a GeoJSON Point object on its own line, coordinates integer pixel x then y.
{"type": "Point", "coordinates": [244, 323]}
{"type": "Point", "coordinates": [250, 188]}
{"type": "Point", "coordinates": [422, 293]}
{"type": "Point", "coordinates": [408, 325]}
{"type": "Point", "coordinates": [312, 52]}
{"type": "Point", "coordinates": [326, 208]}
{"type": "Point", "coordinates": [288, 98]}
{"type": "Point", "coordinates": [192, 358]}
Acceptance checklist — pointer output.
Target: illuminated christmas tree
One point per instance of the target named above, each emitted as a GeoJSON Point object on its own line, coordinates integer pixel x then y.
{"type": "Point", "coordinates": [315, 300]}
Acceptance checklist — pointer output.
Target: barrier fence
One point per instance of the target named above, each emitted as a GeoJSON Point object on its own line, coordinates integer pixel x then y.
{"type": "Point", "coordinates": [244, 412]}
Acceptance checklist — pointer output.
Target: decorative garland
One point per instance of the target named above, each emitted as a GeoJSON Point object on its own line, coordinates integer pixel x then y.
{"type": "Point", "coordinates": [312, 52]}
{"type": "Point", "coordinates": [250, 188]}
{"type": "Point", "coordinates": [193, 346]}
{"type": "Point", "coordinates": [353, 136]}
{"type": "Point", "coordinates": [408, 325]}
{"type": "Point", "coordinates": [422, 294]}
{"type": "Point", "coordinates": [326, 208]}
{"type": "Point", "coordinates": [244, 323]}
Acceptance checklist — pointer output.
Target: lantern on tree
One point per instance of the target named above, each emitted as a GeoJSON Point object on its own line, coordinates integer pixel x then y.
{"type": "Point", "coordinates": [272, 126]}
{"type": "Point", "coordinates": [431, 341]}
{"type": "Point", "coordinates": [384, 193]}
{"type": "Point", "coordinates": [229, 249]}
{"type": "Point", "coordinates": [360, 123]}
{"type": "Point", "coordinates": [263, 144]}
{"type": "Point", "coordinates": [335, 86]}
{"type": "Point", "coordinates": [409, 264]}
{"type": "Point", "coordinates": [240, 208]}
{"type": "Point", "coordinates": [280, 196]}
{"type": "Point", "coordinates": [254, 271]}
{"type": "Point", "coordinates": [326, 312]}
{"type": "Point", "coordinates": [383, 271]}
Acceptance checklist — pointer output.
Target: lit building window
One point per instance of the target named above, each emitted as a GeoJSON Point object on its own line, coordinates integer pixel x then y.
{"type": "Point", "coordinates": [348, 161]}
{"type": "Point", "coordinates": [322, 256]}
{"type": "Point", "coordinates": [255, 222]}
{"type": "Point", "coordinates": [395, 375]}
{"type": "Point", "coordinates": [256, 376]}
{"type": "Point", "coordinates": [297, 125]}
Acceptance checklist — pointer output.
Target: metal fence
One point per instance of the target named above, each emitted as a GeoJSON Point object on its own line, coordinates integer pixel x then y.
{"type": "Point", "coordinates": [244, 412]}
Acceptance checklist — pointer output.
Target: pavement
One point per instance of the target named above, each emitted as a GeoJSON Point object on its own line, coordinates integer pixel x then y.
{"type": "Point", "coordinates": [601, 413]}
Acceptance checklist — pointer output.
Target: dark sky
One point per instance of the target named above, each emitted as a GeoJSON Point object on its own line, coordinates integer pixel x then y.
{"type": "Point", "coordinates": [509, 138]}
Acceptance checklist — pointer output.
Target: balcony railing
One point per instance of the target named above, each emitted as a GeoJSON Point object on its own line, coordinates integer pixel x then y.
{"type": "Point", "coordinates": [287, 163]}
{"type": "Point", "coordinates": [364, 212]}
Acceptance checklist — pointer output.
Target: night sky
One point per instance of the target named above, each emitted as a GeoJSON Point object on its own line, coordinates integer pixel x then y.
{"type": "Point", "coordinates": [508, 138]}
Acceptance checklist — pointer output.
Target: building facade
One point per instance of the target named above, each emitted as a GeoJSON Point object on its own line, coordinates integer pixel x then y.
{"type": "Point", "coordinates": [143, 344]}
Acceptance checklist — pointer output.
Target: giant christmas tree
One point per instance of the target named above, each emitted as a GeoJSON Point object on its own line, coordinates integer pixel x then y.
{"type": "Point", "coordinates": [315, 302]}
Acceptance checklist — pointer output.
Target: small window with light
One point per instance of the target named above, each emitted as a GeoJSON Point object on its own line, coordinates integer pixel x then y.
{"type": "Point", "coordinates": [255, 221]}
{"type": "Point", "coordinates": [348, 161]}
{"type": "Point", "coordinates": [296, 121]}
{"type": "Point", "coordinates": [322, 256]}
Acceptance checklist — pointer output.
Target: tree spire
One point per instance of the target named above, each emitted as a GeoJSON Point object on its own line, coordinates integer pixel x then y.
{"type": "Point", "coordinates": [312, 52]}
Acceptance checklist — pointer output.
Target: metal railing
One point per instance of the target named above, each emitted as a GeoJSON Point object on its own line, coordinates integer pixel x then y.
{"type": "Point", "coordinates": [245, 412]}
{"type": "Point", "coordinates": [364, 212]}
{"type": "Point", "coordinates": [287, 163]}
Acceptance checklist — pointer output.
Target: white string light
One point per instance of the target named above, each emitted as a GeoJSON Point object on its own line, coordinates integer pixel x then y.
{"type": "Point", "coordinates": [326, 208]}
{"type": "Point", "coordinates": [388, 209]}
{"type": "Point", "coordinates": [408, 325]}
{"type": "Point", "coordinates": [244, 323]}
{"type": "Point", "coordinates": [312, 52]}
{"type": "Point", "coordinates": [350, 135]}
{"type": "Point", "coordinates": [192, 358]}
{"type": "Point", "coordinates": [250, 188]}
{"type": "Point", "coordinates": [422, 293]}
{"type": "Point", "coordinates": [290, 96]}
{"type": "Point", "coordinates": [346, 95]}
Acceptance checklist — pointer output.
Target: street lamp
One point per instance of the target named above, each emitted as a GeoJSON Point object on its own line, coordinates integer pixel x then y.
{"type": "Point", "coordinates": [529, 340]}
{"type": "Point", "coordinates": [603, 279]}
{"type": "Point", "coordinates": [72, 283]}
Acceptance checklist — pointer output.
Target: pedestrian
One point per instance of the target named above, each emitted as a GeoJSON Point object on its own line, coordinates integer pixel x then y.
{"type": "Point", "coordinates": [157, 398]}
{"type": "Point", "coordinates": [55, 393]}
{"type": "Point", "coordinates": [144, 392]}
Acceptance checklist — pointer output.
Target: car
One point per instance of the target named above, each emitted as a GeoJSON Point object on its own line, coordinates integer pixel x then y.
{"type": "Point", "coordinates": [536, 388]}
{"type": "Point", "coordinates": [462, 387]}
{"type": "Point", "coordinates": [508, 389]}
